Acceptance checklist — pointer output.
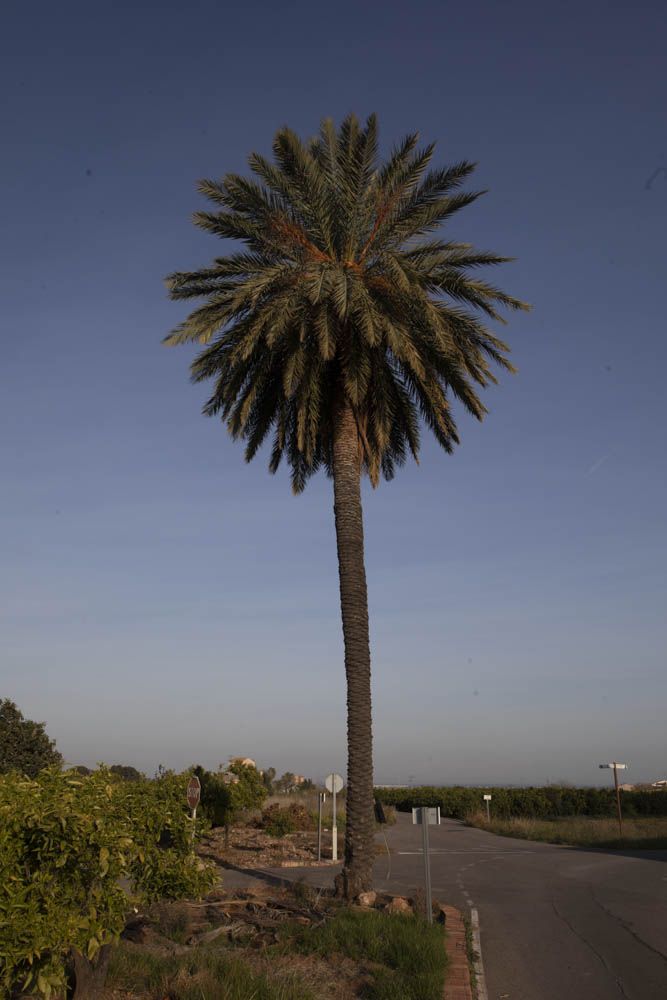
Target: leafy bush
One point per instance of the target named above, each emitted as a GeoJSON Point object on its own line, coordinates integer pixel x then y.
{"type": "Point", "coordinates": [249, 791]}
{"type": "Point", "coordinates": [225, 794]}
{"type": "Point", "coordinates": [216, 799]}
{"type": "Point", "coordinates": [278, 820]}
{"type": "Point", "coordinates": [24, 746]}
{"type": "Point", "coordinates": [68, 844]}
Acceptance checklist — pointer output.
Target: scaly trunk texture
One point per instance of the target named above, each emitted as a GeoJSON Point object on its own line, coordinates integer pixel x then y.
{"type": "Point", "coordinates": [356, 875]}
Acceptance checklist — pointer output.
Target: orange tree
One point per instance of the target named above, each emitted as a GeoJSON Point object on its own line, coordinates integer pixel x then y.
{"type": "Point", "coordinates": [69, 847]}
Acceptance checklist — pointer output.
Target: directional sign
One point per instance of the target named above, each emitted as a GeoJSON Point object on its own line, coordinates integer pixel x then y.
{"type": "Point", "coordinates": [431, 812]}
{"type": "Point", "coordinates": [334, 783]}
{"type": "Point", "coordinates": [193, 792]}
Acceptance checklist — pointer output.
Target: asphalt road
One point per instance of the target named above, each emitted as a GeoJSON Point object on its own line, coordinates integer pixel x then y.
{"type": "Point", "coordinates": [557, 923]}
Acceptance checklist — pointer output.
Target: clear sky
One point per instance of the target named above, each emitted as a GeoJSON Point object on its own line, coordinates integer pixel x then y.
{"type": "Point", "coordinates": [160, 601]}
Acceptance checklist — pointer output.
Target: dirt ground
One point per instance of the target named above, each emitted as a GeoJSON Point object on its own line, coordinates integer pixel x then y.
{"type": "Point", "coordinates": [253, 848]}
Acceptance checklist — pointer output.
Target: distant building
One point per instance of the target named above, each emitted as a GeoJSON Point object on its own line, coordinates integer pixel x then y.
{"type": "Point", "coordinates": [243, 761]}
{"type": "Point", "coordinates": [626, 788]}
{"type": "Point", "coordinates": [662, 783]}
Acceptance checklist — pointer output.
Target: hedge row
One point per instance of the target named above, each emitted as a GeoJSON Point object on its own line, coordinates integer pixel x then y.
{"type": "Point", "coordinates": [548, 802]}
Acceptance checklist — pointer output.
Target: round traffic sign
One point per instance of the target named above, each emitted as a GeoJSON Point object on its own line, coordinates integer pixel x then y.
{"type": "Point", "coordinates": [194, 792]}
{"type": "Point", "coordinates": [334, 783]}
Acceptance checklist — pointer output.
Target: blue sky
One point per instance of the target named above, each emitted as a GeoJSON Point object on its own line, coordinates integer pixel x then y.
{"type": "Point", "coordinates": [160, 601]}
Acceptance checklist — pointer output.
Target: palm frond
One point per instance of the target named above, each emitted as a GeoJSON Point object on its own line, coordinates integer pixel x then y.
{"type": "Point", "coordinates": [342, 284]}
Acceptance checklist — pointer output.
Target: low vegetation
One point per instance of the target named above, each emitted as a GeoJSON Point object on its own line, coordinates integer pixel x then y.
{"type": "Point", "coordinates": [405, 957]}
{"type": "Point", "coordinates": [277, 820]}
{"type": "Point", "coordinates": [343, 954]}
{"type": "Point", "coordinates": [580, 831]}
{"type": "Point", "coordinates": [205, 974]}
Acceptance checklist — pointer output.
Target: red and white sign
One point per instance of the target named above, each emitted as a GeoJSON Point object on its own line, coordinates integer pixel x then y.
{"type": "Point", "coordinates": [194, 792]}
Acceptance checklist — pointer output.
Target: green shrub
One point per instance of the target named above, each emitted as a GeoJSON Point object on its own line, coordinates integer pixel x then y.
{"type": "Point", "coordinates": [68, 844]}
{"type": "Point", "coordinates": [216, 799]}
{"type": "Point", "coordinates": [249, 792]}
{"type": "Point", "coordinates": [278, 820]}
{"type": "Point", "coordinates": [226, 794]}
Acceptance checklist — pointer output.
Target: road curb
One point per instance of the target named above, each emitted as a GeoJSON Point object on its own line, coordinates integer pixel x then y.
{"type": "Point", "coordinates": [478, 965]}
{"type": "Point", "coordinates": [457, 984]}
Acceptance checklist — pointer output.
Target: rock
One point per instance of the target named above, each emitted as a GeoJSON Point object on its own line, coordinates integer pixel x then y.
{"type": "Point", "coordinates": [367, 898]}
{"type": "Point", "coordinates": [399, 904]}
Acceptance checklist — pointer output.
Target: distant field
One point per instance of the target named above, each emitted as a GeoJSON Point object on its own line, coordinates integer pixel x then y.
{"type": "Point", "coordinates": [649, 833]}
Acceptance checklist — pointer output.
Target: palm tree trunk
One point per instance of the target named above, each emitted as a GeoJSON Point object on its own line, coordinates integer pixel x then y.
{"type": "Point", "coordinates": [356, 875]}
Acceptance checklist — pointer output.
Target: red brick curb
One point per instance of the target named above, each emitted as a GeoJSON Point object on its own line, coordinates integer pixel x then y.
{"type": "Point", "coordinates": [457, 985]}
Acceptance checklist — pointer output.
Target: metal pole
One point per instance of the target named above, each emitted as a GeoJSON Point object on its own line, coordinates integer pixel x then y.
{"type": "Point", "coordinates": [618, 800]}
{"type": "Point", "coordinates": [334, 828]}
{"type": "Point", "coordinates": [194, 820]}
{"type": "Point", "coordinates": [488, 812]}
{"type": "Point", "coordinates": [427, 865]}
{"type": "Point", "coordinates": [319, 825]}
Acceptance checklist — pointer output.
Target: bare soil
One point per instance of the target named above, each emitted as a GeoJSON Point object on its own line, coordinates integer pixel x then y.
{"type": "Point", "coordinates": [253, 848]}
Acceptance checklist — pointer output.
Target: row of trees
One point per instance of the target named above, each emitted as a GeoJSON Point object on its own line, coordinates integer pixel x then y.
{"type": "Point", "coordinates": [547, 802]}
{"type": "Point", "coordinates": [286, 783]}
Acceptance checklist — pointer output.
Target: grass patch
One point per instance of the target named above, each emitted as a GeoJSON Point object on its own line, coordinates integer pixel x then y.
{"type": "Point", "coordinates": [648, 833]}
{"type": "Point", "coordinates": [206, 974]}
{"type": "Point", "coordinates": [404, 957]}
{"type": "Point", "coordinates": [173, 921]}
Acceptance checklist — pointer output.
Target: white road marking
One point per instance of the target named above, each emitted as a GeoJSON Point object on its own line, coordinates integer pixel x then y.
{"type": "Point", "coordinates": [478, 965]}
{"type": "Point", "coordinates": [492, 854]}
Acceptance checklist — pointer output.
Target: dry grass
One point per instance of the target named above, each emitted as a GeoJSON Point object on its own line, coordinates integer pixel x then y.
{"type": "Point", "coordinates": [649, 833]}
{"type": "Point", "coordinates": [206, 974]}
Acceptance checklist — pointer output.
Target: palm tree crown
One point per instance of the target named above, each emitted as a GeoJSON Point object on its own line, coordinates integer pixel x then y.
{"type": "Point", "coordinates": [341, 293]}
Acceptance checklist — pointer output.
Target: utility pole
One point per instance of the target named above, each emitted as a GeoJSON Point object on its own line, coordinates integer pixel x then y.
{"type": "Point", "coordinates": [615, 767]}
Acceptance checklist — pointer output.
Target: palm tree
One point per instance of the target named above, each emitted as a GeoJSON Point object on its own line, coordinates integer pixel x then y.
{"type": "Point", "coordinates": [339, 328]}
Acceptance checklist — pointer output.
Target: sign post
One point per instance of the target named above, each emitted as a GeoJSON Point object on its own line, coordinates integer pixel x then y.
{"type": "Point", "coordinates": [427, 816]}
{"type": "Point", "coordinates": [615, 766]}
{"type": "Point", "coordinates": [334, 784]}
{"type": "Point", "coordinates": [193, 795]}
{"type": "Point", "coordinates": [321, 798]}
{"type": "Point", "coordinates": [487, 799]}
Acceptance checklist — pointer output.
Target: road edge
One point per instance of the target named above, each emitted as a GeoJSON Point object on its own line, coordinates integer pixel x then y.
{"type": "Point", "coordinates": [458, 985]}
{"type": "Point", "coordinates": [478, 964]}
